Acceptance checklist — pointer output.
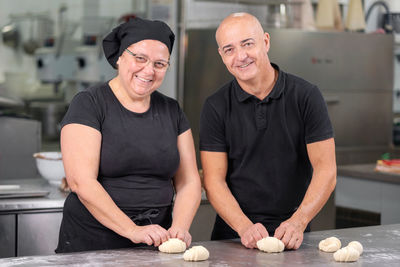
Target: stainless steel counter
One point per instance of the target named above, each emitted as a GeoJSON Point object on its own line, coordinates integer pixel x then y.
{"type": "Point", "coordinates": [22, 232]}
{"type": "Point", "coordinates": [381, 248]}
{"type": "Point", "coordinates": [54, 200]}
{"type": "Point", "coordinates": [366, 171]}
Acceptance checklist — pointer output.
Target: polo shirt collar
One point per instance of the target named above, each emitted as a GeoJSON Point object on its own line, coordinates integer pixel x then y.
{"type": "Point", "coordinates": [274, 94]}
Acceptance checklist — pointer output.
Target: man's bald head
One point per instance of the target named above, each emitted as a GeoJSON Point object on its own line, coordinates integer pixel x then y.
{"type": "Point", "coordinates": [243, 19]}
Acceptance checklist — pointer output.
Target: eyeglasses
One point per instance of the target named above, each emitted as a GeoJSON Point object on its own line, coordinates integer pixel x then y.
{"type": "Point", "coordinates": [142, 60]}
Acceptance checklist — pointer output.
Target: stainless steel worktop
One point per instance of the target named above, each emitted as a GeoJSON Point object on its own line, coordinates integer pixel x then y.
{"type": "Point", "coordinates": [22, 232]}
{"type": "Point", "coordinates": [54, 200]}
{"type": "Point", "coordinates": [366, 171]}
{"type": "Point", "coordinates": [381, 248]}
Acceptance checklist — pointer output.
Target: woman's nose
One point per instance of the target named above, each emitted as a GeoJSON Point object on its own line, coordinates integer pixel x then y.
{"type": "Point", "coordinates": [149, 67]}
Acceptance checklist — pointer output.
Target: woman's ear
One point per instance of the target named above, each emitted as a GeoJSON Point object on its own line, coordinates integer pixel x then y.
{"type": "Point", "coordinates": [117, 63]}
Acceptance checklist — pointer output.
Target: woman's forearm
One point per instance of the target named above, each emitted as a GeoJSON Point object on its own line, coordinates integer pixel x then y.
{"type": "Point", "coordinates": [186, 203]}
{"type": "Point", "coordinates": [103, 208]}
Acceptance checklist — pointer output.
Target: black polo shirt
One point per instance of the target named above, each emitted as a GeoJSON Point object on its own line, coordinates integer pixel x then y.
{"type": "Point", "coordinates": [268, 167]}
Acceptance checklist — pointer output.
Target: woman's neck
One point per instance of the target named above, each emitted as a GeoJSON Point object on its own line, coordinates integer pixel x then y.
{"type": "Point", "coordinates": [133, 103]}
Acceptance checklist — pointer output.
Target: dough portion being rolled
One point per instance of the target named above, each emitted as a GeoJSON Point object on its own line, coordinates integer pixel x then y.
{"type": "Point", "coordinates": [346, 254]}
{"type": "Point", "coordinates": [357, 245]}
{"type": "Point", "coordinates": [173, 245]}
{"type": "Point", "coordinates": [330, 244]}
{"type": "Point", "coordinates": [196, 253]}
{"type": "Point", "coordinates": [270, 244]}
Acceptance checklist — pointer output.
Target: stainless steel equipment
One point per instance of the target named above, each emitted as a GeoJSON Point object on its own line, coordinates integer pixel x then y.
{"type": "Point", "coordinates": [50, 113]}
{"type": "Point", "coordinates": [54, 66]}
{"type": "Point", "coordinates": [28, 29]}
{"type": "Point", "coordinates": [22, 231]}
{"type": "Point", "coordinates": [11, 35]}
{"type": "Point", "coordinates": [91, 64]}
{"type": "Point", "coordinates": [354, 72]}
{"type": "Point", "coordinates": [55, 61]}
{"type": "Point", "coordinates": [19, 139]}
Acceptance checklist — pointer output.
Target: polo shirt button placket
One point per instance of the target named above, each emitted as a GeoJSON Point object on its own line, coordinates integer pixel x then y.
{"type": "Point", "coordinates": [261, 120]}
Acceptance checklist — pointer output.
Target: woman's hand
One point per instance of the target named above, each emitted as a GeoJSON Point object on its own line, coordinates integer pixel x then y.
{"type": "Point", "coordinates": [182, 234]}
{"type": "Point", "coordinates": [152, 234]}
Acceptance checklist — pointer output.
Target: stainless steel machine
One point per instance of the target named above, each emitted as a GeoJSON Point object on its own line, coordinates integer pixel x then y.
{"type": "Point", "coordinates": [55, 65]}
{"type": "Point", "coordinates": [91, 65]}
{"type": "Point", "coordinates": [19, 139]}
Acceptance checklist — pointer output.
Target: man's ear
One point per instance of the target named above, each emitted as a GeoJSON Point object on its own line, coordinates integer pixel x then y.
{"type": "Point", "coordinates": [267, 41]}
{"type": "Point", "coordinates": [220, 52]}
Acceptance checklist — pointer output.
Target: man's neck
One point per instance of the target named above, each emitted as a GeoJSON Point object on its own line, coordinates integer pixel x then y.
{"type": "Point", "coordinates": [261, 86]}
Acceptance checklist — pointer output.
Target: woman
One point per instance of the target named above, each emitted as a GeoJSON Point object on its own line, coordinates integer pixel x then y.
{"type": "Point", "coordinates": [126, 148]}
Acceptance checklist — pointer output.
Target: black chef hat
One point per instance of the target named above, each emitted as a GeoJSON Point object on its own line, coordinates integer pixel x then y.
{"type": "Point", "coordinates": [133, 31]}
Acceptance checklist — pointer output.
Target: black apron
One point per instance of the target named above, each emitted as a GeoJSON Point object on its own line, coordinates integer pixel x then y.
{"type": "Point", "coordinates": [80, 231]}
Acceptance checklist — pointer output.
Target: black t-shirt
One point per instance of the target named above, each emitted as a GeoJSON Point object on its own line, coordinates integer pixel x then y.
{"type": "Point", "coordinates": [268, 167]}
{"type": "Point", "coordinates": [139, 153]}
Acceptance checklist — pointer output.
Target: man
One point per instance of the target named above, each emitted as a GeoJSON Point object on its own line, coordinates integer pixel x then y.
{"type": "Point", "coordinates": [266, 142]}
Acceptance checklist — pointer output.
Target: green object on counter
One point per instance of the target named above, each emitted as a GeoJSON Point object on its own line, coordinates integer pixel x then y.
{"type": "Point", "coordinates": [385, 156]}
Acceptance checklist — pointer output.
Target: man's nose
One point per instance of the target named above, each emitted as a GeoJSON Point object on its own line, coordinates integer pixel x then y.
{"type": "Point", "coordinates": [241, 54]}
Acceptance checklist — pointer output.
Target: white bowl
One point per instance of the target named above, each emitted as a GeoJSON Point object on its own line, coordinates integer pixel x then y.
{"type": "Point", "coordinates": [50, 166]}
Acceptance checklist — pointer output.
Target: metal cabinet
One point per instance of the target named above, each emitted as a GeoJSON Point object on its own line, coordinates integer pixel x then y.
{"type": "Point", "coordinates": [203, 222]}
{"type": "Point", "coordinates": [20, 138]}
{"type": "Point", "coordinates": [372, 196]}
{"type": "Point", "coordinates": [7, 235]}
{"type": "Point", "coordinates": [38, 233]}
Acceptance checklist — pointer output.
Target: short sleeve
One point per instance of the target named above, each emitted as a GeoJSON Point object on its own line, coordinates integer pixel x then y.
{"type": "Point", "coordinates": [183, 122]}
{"type": "Point", "coordinates": [318, 126]}
{"type": "Point", "coordinates": [83, 110]}
{"type": "Point", "coordinates": [212, 130]}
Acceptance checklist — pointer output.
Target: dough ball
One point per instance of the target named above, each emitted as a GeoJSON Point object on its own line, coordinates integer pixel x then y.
{"type": "Point", "coordinates": [346, 254]}
{"type": "Point", "coordinates": [270, 245]}
{"type": "Point", "coordinates": [330, 244]}
{"type": "Point", "coordinates": [173, 245]}
{"type": "Point", "coordinates": [196, 253]}
{"type": "Point", "coordinates": [357, 245]}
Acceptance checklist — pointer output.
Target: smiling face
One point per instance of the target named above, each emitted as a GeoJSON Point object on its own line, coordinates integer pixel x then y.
{"type": "Point", "coordinates": [140, 80]}
{"type": "Point", "coordinates": [243, 46]}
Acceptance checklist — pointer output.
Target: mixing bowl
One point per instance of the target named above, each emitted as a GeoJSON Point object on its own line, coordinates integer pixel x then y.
{"type": "Point", "coordinates": [50, 166]}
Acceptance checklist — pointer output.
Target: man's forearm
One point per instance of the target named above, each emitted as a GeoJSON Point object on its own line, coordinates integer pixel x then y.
{"type": "Point", "coordinates": [322, 185]}
{"type": "Point", "coordinates": [227, 207]}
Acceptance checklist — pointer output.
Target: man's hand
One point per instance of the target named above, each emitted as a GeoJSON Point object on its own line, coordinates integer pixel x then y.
{"type": "Point", "coordinates": [290, 232]}
{"type": "Point", "coordinates": [152, 234]}
{"type": "Point", "coordinates": [252, 234]}
{"type": "Point", "coordinates": [182, 234]}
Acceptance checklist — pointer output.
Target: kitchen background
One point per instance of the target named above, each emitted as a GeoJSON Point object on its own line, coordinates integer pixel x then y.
{"type": "Point", "coordinates": [51, 49]}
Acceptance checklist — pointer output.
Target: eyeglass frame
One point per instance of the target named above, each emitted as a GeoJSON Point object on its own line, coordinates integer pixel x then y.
{"type": "Point", "coordinates": [148, 60]}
